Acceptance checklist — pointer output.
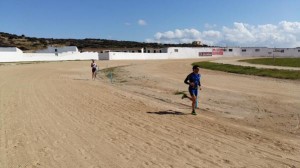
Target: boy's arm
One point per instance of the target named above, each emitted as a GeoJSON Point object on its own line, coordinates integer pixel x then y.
{"type": "Point", "coordinates": [200, 85]}
{"type": "Point", "coordinates": [186, 80]}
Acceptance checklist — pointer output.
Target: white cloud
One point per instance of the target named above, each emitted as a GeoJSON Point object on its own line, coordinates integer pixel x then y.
{"type": "Point", "coordinates": [284, 34]}
{"type": "Point", "coordinates": [210, 26]}
{"type": "Point", "coordinates": [142, 22]}
{"type": "Point", "coordinates": [291, 27]}
{"type": "Point", "coordinates": [177, 36]}
{"type": "Point", "coordinates": [127, 24]}
{"type": "Point", "coordinates": [211, 34]}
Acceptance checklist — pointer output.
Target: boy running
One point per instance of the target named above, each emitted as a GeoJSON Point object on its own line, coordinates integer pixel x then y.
{"type": "Point", "coordinates": [193, 80]}
{"type": "Point", "coordinates": [94, 68]}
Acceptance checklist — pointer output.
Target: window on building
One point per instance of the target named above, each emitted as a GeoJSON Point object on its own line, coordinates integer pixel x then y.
{"type": "Point", "coordinates": [160, 51]}
{"type": "Point", "coordinates": [132, 51]}
{"type": "Point", "coordinates": [230, 50]}
{"type": "Point", "coordinates": [282, 51]}
{"type": "Point", "coordinates": [154, 51]}
{"type": "Point", "coordinates": [148, 51]}
{"type": "Point", "coordinates": [257, 50]}
{"type": "Point", "coordinates": [175, 50]}
{"type": "Point", "coordinates": [224, 49]}
{"type": "Point", "coordinates": [298, 50]}
{"type": "Point", "coordinates": [139, 51]}
{"type": "Point", "coordinates": [244, 50]}
{"type": "Point", "coordinates": [55, 50]}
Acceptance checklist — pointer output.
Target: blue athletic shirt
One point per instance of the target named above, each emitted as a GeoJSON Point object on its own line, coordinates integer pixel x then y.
{"type": "Point", "coordinates": [192, 77]}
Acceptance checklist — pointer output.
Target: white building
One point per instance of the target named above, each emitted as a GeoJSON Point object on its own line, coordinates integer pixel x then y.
{"type": "Point", "coordinates": [10, 54]}
{"type": "Point", "coordinates": [60, 50]}
{"type": "Point", "coordinates": [10, 50]}
{"type": "Point", "coordinates": [198, 52]}
{"type": "Point", "coordinates": [13, 54]}
{"type": "Point", "coordinates": [153, 50]}
{"type": "Point", "coordinates": [261, 52]}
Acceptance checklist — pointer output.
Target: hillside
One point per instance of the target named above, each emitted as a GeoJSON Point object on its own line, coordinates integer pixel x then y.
{"type": "Point", "coordinates": [28, 44]}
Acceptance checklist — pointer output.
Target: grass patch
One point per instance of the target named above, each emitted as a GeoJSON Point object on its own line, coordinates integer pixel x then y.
{"type": "Point", "coordinates": [274, 73]}
{"type": "Point", "coordinates": [113, 71]}
{"type": "Point", "coordinates": [286, 62]}
{"type": "Point", "coordinates": [109, 71]}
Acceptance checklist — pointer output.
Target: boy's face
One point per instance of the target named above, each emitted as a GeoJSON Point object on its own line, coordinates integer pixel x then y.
{"type": "Point", "coordinates": [196, 70]}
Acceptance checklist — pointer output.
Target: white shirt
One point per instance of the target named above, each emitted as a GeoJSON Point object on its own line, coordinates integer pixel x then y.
{"type": "Point", "coordinates": [94, 65]}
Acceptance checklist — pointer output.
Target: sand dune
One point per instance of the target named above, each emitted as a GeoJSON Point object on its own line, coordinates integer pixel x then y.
{"type": "Point", "coordinates": [54, 115]}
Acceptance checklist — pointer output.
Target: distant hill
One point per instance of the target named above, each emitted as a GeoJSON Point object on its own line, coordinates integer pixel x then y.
{"type": "Point", "coordinates": [28, 44]}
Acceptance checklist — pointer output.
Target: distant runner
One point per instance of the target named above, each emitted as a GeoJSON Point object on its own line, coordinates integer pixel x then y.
{"type": "Point", "coordinates": [193, 80]}
{"type": "Point", "coordinates": [94, 68]}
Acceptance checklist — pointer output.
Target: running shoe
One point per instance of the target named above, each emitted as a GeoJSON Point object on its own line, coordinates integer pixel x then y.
{"type": "Point", "coordinates": [184, 96]}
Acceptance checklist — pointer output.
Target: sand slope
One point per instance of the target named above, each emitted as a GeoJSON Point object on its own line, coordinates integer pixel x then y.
{"type": "Point", "coordinates": [53, 115]}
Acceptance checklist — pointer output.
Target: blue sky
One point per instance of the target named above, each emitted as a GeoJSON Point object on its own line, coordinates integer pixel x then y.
{"type": "Point", "coordinates": [215, 22]}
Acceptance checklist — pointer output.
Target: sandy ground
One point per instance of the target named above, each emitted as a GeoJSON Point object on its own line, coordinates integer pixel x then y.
{"type": "Point", "coordinates": [54, 115]}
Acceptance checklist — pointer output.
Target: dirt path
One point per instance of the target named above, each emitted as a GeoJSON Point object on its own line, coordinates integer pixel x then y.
{"type": "Point", "coordinates": [53, 115]}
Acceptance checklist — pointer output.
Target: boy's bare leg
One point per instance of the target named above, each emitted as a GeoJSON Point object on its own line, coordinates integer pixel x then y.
{"type": "Point", "coordinates": [193, 99]}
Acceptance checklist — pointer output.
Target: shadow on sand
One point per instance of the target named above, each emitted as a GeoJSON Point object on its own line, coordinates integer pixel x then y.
{"type": "Point", "coordinates": [168, 112]}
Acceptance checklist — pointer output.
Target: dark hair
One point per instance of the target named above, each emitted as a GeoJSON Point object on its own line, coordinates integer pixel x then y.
{"type": "Point", "coordinates": [196, 67]}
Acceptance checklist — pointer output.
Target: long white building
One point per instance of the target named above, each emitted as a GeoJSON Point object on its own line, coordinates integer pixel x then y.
{"type": "Point", "coordinates": [262, 52]}
{"type": "Point", "coordinates": [13, 54]}
{"type": "Point", "coordinates": [198, 52]}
